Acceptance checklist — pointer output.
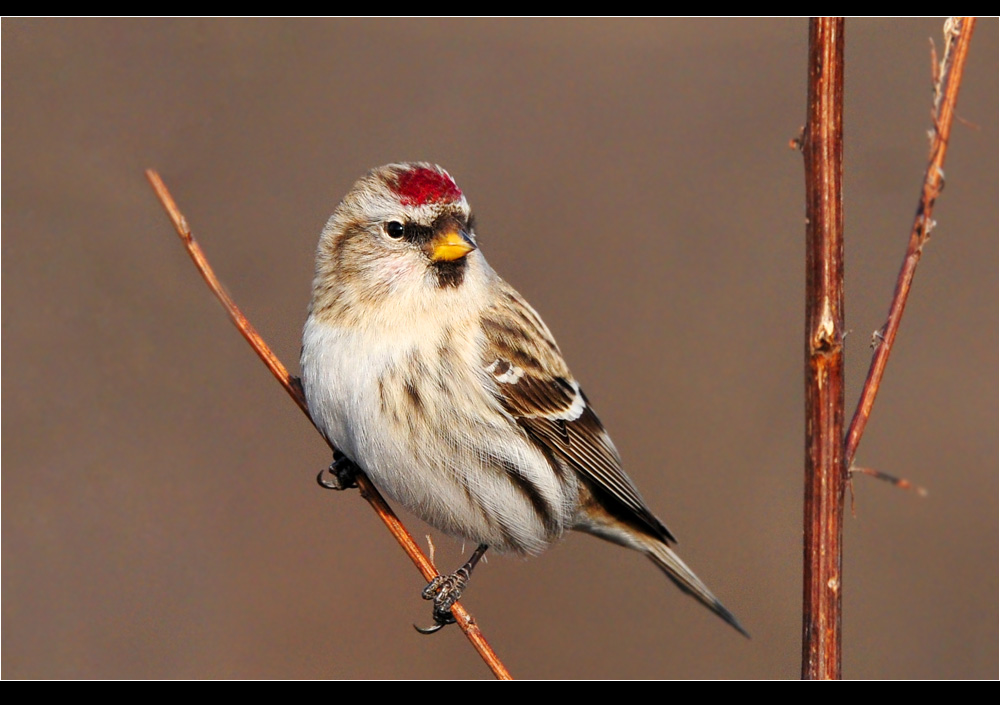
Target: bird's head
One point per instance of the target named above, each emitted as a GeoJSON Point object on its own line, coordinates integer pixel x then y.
{"type": "Point", "coordinates": [402, 235]}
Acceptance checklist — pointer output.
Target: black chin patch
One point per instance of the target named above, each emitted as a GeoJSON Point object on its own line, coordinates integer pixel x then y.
{"type": "Point", "coordinates": [450, 274]}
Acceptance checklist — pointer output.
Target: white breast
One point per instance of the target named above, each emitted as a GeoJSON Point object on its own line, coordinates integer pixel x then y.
{"type": "Point", "coordinates": [426, 430]}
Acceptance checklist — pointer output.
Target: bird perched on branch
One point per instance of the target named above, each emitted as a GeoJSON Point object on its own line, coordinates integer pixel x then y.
{"type": "Point", "coordinates": [435, 377]}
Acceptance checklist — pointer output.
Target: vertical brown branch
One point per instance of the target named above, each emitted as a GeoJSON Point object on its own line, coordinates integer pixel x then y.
{"type": "Point", "coordinates": [958, 35]}
{"type": "Point", "coordinates": [822, 146]}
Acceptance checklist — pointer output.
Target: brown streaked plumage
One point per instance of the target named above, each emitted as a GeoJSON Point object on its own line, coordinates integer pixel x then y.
{"type": "Point", "coordinates": [435, 377]}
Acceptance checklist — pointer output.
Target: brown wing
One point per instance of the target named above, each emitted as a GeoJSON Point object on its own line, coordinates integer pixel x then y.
{"type": "Point", "coordinates": [535, 386]}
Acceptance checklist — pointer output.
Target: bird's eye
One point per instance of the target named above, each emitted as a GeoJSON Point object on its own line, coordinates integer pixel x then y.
{"type": "Point", "coordinates": [394, 229]}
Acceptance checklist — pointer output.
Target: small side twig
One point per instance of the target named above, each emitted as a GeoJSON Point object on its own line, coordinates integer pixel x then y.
{"type": "Point", "coordinates": [294, 389]}
{"type": "Point", "coordinates": [900, 482]}
{"type": "Point", "coordinates": [948, 74]}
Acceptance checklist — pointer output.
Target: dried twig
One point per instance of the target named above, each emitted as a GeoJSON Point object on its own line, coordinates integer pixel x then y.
{"type": "Point", "coordinates": [822, 148]}
{"type": "Point", "coordinates": [900, 482]}
{"type": "Point", "coordinates": [294, 389]}
{"type": "Point", "coordinates": [958, 35]}
{"type": "Point", "coordinates": [825, 488]}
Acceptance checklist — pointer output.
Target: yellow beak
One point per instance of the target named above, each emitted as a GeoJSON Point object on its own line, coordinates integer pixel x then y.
{"type": "Point", "coordinates": [450, 245]}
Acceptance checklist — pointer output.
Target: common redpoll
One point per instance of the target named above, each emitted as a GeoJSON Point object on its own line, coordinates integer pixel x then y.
{"type": "Point", "coordinates": [433, 375]}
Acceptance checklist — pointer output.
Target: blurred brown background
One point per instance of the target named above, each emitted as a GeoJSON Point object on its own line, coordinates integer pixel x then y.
{"type": "Point", "coordinates": [633, 179]}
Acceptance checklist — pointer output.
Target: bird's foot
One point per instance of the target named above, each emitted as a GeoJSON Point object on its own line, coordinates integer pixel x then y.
{"type": "Point", "coordinates": [343, 474]}
{"type": "Point", "coordinates": [445, 591]}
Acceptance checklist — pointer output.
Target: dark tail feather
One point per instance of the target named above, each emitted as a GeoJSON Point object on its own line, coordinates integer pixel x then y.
{"type": "Point", "coordinates": [669, 562]}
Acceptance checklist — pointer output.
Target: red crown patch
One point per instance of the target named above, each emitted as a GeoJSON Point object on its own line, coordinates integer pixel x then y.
{"type": "Point", "coordinates": [420, 186]}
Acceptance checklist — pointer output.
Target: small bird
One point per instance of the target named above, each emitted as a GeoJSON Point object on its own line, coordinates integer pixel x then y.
{"type": "Point", "coordinates": [432, 375]}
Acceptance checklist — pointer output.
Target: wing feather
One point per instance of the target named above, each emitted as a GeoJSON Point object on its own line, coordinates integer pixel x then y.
{"type": "Point", "coordinates": [534, 385]}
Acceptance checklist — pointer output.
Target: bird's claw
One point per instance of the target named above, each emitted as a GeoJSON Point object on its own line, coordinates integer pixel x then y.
{"type": "Point", "coordinates": [342, 474]}
{"type": "Point", "coordinates": [444, 590]}
{"type": "Point", "coordinates": [439, 622]}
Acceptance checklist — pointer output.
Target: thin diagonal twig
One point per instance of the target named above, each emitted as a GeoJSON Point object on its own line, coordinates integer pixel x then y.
{"type": "Point", "coordinates": [294, 389]}
{"type": "Point", "coordinates": [958, 35]}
